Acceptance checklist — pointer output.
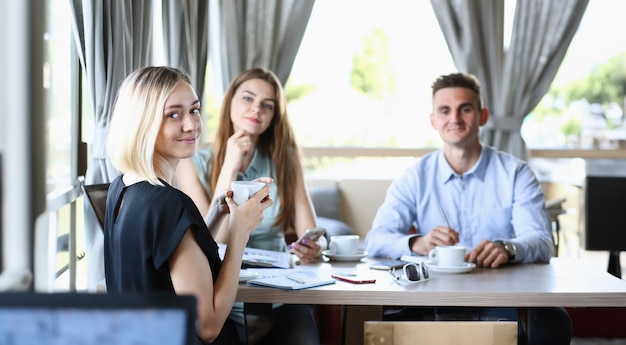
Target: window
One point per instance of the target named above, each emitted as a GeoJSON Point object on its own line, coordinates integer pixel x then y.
{"type": "Point", "coordinates": [411, 52]}
{"type": "Point", "coordinates": [62, 140]}
{"type": "Point", "coordinates": [583, 122]}
{"type": "Point", "coordinates": [57, 68]}
{"type": "Point", "coordinates": [398, 46]}
{"type": "Point", "coordinates": [393, 52]}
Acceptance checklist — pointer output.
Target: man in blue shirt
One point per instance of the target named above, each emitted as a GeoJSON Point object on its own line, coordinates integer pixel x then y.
{"type": "Point", "coordinates": [493, 203]}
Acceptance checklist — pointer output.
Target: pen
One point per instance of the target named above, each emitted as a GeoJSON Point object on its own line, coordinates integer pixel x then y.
{"type": "Point", "coordinates": [296, 279]}
{"type": "Point", "coordinates": [443, 215]}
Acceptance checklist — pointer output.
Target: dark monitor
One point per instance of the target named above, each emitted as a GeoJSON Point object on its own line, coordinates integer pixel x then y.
{"type": "Point", "coordinates": [97, 319]}
{"type": "Point", "coordinates": [605, 200]}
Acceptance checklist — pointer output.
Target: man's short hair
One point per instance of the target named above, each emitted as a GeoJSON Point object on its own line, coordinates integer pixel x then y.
{"type": "Point", "coordinates": [465, 80]}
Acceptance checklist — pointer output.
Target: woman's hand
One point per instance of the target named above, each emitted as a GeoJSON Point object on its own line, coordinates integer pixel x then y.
{"type": "Point", "coordinates": [308, 251]}
{"type": "Point", "coordinates": [219, 208]}
{"type": "Point", "coordinates": [239, 145]}
{"type": "Point", "coordinates": [245, 218]}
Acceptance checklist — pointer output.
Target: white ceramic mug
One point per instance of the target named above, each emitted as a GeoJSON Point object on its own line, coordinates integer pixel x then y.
{"type": "Point", "coordinates": [244, 190]}
{"type": "Point", "coordinates": [447, 256]}
{"type": "Point", "coordinates": [344, 244]}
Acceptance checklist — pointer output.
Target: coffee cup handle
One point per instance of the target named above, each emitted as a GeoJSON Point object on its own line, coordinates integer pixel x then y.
{"type": "Point", "coordinates": [332, 246]}
{"type": "Point", "coordinates": [432, 255]}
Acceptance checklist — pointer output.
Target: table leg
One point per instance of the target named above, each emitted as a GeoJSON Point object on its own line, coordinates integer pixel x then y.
{"type": "Point", "coordinates": [355, 316]}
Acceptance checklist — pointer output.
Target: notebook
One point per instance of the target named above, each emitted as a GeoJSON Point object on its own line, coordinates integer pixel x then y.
{"type": "Point", "coordinates": [96, 319]}
{"type": "Point", "coordinates": [293, 279]}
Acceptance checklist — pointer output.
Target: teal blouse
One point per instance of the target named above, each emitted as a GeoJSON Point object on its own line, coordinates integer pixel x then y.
{"type": "Point", "coordinates": [265, 236]}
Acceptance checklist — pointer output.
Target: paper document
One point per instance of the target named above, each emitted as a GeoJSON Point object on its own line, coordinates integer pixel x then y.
{"type": "Point", "coordinates": [253, 257]}
{"type": "Point", "coordinates": [414, 258]}
{"type": "Point", "coordinates": [293, 280]}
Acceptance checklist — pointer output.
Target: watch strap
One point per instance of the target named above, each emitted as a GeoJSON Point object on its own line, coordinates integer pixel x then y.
{"type": "Point", "coordinates": [509, 247]}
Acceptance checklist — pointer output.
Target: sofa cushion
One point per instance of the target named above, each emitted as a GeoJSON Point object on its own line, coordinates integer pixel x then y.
{"type": "Point", "coordinates": [326, 201]}
{"type": "Point", "coordinates": [334, 227]}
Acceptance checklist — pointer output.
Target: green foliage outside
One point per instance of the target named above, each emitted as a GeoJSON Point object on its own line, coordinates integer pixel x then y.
{"type": "Point", "coordinates": [571, 127]}
{"type": "Point", "coordinates": [295, 92]}
{"type": "Point", "coordinates": [371, 74]}
{"type": "Point", "coordinates": [605, 84]}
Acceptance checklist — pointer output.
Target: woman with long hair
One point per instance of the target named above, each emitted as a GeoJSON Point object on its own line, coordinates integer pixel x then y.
{"type": "Point", "coordinates": [254, 138]}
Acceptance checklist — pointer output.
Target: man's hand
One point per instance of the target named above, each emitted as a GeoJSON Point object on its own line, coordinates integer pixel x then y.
{"type": "Point", "coordinates": [439, 236]}
{"type": "Point", "coordinates": [488, 254]}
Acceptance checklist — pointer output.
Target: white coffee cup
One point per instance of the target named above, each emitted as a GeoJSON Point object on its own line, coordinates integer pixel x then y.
{"type": "Point", "coordinates": [244, 190]}
{"type": "Point", "coordinates": [447, 256]}
{"type": "Point", "coordinates": [344, 244]}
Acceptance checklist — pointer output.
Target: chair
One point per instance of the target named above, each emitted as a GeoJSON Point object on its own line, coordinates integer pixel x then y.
{"type": "Point", "coordinates": [555, 209]}
{"type": "Point", "coordinates": [440, 332]}
{"type": "Point", "coordinates": [97, 196]}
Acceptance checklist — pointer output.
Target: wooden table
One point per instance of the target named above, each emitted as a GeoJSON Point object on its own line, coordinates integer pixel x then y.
{"type": "Point", "coordinates": [561, 283]}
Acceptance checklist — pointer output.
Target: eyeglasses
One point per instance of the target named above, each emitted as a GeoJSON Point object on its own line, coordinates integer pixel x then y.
{"type": "Point", "coordinates": [411, 273]}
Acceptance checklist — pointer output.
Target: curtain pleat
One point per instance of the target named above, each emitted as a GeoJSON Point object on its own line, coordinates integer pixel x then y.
{"type": "Point", "coordinates": [513, 79]}
{"type": "Point", "coordinates": [113, 39]}
{"type": "Point", "coordinates": [260, 33]}
{"type": "Point", "coordinates": [186, 31]}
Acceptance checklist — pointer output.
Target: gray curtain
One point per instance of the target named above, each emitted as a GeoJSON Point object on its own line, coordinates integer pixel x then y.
{"type": "Point", "coordinates": [515, 79]}
{"type": "Point", "coordinates": [260, 33]}
{"type": "Point", "coordinates": [186, 30]}
{"type": "Point", "coordinates": [113, 39]}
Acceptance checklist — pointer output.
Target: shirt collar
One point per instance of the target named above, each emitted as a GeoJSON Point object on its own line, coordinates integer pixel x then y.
{"type": "Point", "coordinates": [479, 169]}
{"type": "Point", "coordinates": [257, 166]}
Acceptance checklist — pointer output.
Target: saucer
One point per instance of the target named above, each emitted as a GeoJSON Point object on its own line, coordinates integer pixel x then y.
{"type": "Point", "coordinates": [245, 275]}
{"type": "Point", "coordinates": [466, 267]}
{"type": "Point", "coordinates": [352, 257]}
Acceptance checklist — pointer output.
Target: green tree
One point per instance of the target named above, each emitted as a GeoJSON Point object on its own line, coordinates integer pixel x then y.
{"type": "Point", "coordinates": [295, 92]}
{"type": "Point", "coordinates": [605, 84]}
{"type": "Point", "coordinates": [371, 74]}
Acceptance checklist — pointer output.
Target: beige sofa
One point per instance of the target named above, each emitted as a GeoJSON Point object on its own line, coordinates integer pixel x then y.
{"type": "Point", "coordinates": [351, 201]}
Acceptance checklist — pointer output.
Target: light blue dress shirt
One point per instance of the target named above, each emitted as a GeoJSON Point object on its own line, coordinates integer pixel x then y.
{"type": "Point", "coordinates": [498, 199]}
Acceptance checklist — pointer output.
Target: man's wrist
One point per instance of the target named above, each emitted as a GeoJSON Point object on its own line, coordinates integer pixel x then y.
{"type": "Point", "coordinates": [509, 248]}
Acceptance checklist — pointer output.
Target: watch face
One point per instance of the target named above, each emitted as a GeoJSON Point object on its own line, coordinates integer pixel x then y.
{"type": "Point", "coordinates": [510, 248]}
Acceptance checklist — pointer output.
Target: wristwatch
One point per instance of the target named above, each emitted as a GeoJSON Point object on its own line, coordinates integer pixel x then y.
{"type": "Point", "coordinates": [509, 247]}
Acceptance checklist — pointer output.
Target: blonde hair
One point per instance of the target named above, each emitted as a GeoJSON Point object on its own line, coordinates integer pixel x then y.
{"type": "Point", "coordinates": [278, 142]}
{"type": "Point", "coordinates": [137, 117]}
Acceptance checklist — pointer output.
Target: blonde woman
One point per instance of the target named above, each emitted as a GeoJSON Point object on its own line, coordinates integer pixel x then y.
{"type": "Point", "coordinates": [155, 237]}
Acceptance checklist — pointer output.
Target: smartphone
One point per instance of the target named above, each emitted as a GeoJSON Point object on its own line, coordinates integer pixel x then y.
{"type": "Point", "coordinates": [387, 264]}
{"type": "Point", "coordinates": [312, 234]}
{"type": "Point", "coordinates": [354, 278]}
